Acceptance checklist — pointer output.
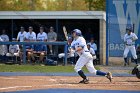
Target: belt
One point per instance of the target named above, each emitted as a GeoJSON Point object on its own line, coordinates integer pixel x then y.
{"type": "Point", "coordinates": [85, 51]}
{"type": "Point", "coordinates": [129, 44]}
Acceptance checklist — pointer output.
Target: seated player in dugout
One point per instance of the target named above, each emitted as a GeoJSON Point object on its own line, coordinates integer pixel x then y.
{"type": "Point", "coordinates": [31, 35]}
{"type": "Point", "coordinates": [13, 50]}
{"type": "Point", "coordinates": [69, 55]}
{"type": "Point", "coordinates": [29, 51]}
{"type": "Point", "coordinates": [39, 50]}
{"type": "Point", "coordinates": [92, 52]}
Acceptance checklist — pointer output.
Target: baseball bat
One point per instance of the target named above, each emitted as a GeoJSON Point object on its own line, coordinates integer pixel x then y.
{"type": "Point", "coordinates": [65, 32]}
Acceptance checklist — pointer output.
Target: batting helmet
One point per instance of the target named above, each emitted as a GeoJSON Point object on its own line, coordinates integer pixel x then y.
{"type": "Point", "coordinates": [77, 31]}
{"type": "Point", "coordinates": [129, 28]}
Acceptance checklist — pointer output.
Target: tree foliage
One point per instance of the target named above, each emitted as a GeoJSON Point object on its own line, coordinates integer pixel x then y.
{"type": "Point", "coordinates": [51, 5]}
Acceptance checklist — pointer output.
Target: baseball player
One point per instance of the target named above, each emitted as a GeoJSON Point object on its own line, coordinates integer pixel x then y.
{"type": "Point", "coordinates": [42, 36]}
{"type": "Point", "coordinates": [93, 44]}
{"type": "Point", "coordinates": [85, 58]}
{"type": "Point", "coordinates": [4, 38]}
{"type": "Point", "coordinates": [21, 35]}
{"type": "Point", "coordinates": [31, 35]}
{"type": "Point", "coordinates": [129, 40]}
{"type": "Point", "coordinates": [13, 49]}
{"type": "Point", "coordinates": [92, 52]}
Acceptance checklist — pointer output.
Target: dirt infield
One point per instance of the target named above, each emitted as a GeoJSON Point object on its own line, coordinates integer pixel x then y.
{"type": "Point", "coordinates": [18, 83]}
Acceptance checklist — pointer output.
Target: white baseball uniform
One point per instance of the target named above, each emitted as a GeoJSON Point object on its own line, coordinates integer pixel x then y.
{"type": "Point", "coordinates": [1, 47]}
{"type": "Point", "coordinates": [92, 52]}
{"type": "Point", "coordinates": [13, 50]}
{"type": "Point", "coordinates": [21, 36]}
{"type": "Point", "coordinates": [42, 36]}
{"type": "Point", "coordinates": [85, 58]}
{"type": "Point", "coordinates": [31, 36]}
{"type": "Point", "coordinates": [4, 38]}
{"type": "Point", "coordinates": [130, 44]}
{"type": "Point", "coordinates": [93, 46]}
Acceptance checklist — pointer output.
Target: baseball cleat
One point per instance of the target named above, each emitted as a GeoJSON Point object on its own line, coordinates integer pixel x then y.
{"type": "Point", "coordinates": [84, 81]}
{"type": "Point", "coordinates": [109, 76]}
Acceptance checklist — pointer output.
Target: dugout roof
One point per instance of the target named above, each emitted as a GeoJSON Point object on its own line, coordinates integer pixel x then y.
{"type": "Point", "coordinates": [52, 15]}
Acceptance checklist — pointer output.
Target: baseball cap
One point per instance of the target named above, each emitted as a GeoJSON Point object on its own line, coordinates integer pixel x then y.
{"type": "Point", "coordinates": [21, 27]}
{"type": "Point", "coordinates": [30, 27]}
{"type": "Point", "coordinates": [88, 44]}
{"type": "Point", "coordinates": [41, 27]}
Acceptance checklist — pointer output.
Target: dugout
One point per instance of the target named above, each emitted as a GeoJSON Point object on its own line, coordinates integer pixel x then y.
{"type": "Point", "coordinates": [91, 23]}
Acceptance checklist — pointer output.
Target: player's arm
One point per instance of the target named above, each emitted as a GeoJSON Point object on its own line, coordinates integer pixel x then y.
{"type": "Point", "coordinates": [45, 37]}
{"type": "Point", "coordinates": [134, 38]}
{"type": "Point", "coordinates": [79, 48]}
{"type": "Point", "coordinates": [17, 36]}
{"type": "Point", "coordinates": [125, 39]}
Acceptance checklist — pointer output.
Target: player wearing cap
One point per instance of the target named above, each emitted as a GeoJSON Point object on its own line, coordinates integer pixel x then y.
{"type": "Point", "coordinates": [21, 35]}
{"type": "Point", "coordinates": [129, 40]}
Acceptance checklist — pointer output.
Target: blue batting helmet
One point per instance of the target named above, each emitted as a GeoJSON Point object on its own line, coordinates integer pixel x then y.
{"type": "Point", "coordinates": [129, 28]}
{"type": "Point", "coordinates": [77, 31]}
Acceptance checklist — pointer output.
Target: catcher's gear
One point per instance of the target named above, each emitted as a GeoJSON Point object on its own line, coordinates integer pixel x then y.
{"type": "Point", "coordinates": [136, 71]}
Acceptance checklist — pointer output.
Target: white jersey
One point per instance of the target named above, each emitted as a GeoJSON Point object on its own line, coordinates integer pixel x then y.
{"type": "Point", "coordinates": [129, 38]}
{"type": "Point", "coordinates": [5, 49]}
{"type": "Point", "coordinates": [93, 46]}
{"type": "Point", "coordinates": [31, 36]}
{"type": "Point", "coordinates": [21, 36]}
{"type": "Point", "coordinates": [1, 39]}
{"type": "Point", "coordinates": [80, 41]}
{"type": "Point", "coordinates": [92, 51]}
{"type": "Point", "coordinates": [42, 36]}
{"type": "Point", "coordinates": [4, 37]}
{"type": "Point", "coordinates": [14, 48]}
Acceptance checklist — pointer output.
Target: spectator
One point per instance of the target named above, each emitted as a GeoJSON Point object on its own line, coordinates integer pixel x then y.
{"type": "Point", "coordinates": [93, 45]}
{"type": "Point", "coordinates": [4, 38]}
{"type": "Point", "coordinates": [13, 50]}
{"type": "Point", "coordinates": [52, 37]}
{"type": "Point", "coordinates": [21, 35]}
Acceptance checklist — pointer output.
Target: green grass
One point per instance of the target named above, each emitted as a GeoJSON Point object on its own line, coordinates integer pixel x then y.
{"type": "Point", "coordinates": [37, 68]}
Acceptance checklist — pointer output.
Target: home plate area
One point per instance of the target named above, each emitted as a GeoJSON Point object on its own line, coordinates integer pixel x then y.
{"type": "Point", "coordinates": [67, 84]}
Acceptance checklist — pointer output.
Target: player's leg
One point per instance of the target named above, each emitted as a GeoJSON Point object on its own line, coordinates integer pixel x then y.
{"type": "Point", "coordinates": [125, 55]}
{"type": "Point", "coordinates": [29, 56]}
{"type": "Point", "coordinates": [133, 51]}
{"type": "Point", "coordinates": [92, 70]}
{"type": "Point", "coordinates": [50, 47]}
{"type": "Point", "coordinates": [41, 57]}
{"type": "Point", "coordinates": [61, 55]}
{"type": "Point", "coordinates": [78, 68]}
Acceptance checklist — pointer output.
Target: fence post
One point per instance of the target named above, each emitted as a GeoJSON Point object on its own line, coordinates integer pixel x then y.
{"type": "Point", "coordinates": [65, 58]}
